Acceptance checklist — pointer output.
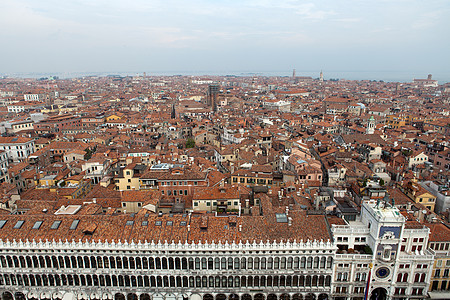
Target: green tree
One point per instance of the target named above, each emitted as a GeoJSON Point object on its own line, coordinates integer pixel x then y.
{"type": "Point", "coordinates": [381, 182]}
{"type": "Point", "coordinates": [190, 143]}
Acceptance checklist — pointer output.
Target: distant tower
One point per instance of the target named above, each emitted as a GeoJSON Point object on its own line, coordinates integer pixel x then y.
{"type": "Point", "coordinates": [293, 74]}
{"type": "Point", "coordinates": [370, 125]}
{"type": "Point", "coordinates": [172, 113]}
{"type": "Point", "coordinates": [212, 97]}
{"type": "Point", "coordinates": [430, 76]}
{"type": "Point", "coordinates": [321, 76]}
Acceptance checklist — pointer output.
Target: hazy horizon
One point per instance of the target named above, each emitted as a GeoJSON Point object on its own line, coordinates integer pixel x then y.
{"type": "Point", "coordinates": [388, 76]}
{"type": "Point", "coordinates": [387, 40]}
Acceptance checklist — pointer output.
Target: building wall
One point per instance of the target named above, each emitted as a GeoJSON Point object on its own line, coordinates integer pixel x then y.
{"type": "Point", "coordinates": [192, 271]}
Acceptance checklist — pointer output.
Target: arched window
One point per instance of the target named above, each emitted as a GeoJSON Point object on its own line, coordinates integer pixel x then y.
{"type": "Point", "coordinates": [85, 259]}
{"type": "Point", "coordinates": [217, 281]}
{"type": "Point", "coordinates": [145, 263]}
{"type": "Point", "coordinates": [125, 262]}
{"type": "Point", "coordinates": [303, 263]}
{"type": "Point", "coordinates": [236, 263]}
{"type": "Point", "coordinates": [250, 263]}
{"type": "Point", "coordinates": [328, 280]}
{"type": "Point", "coordinates": [93, 262]}
{"type": "Point", "coordinates": [151, 263]}
{"type": "Point", "coordinates": [171, 263]}
{"type": "Point", "coordinates": [197, 263]}
{"type": "Point", "coordinates": [309, 263]}
{"type": "Point", "coordinates": [329, 262]}
{"type": "Point", "coordinates": [99, 262]}
{"type": "Point", "coordinates": [237, 281]}
{"type": "Point", "coordinates": [217, 263]}
{"type": "Point", "coordinates": [276, 264]}
{"type": "Point", "coordinates": [105, 262]}
{"type": "Point", "coordinates": [230, 263]}
{"type": "Point", "coordinates": [289, 262]}
{"type": "Point", "coordinates": [323, 262]}
{"type": "Point", "coordinates": [283, 263]}
{"type": "Point", "coordinates": [243, 263]}
{"type": "Point", "coordinates": [204, 264]}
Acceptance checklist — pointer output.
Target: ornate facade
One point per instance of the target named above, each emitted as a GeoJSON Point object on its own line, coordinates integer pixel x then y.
{"type": "Point", "coordinates": [192, 265]}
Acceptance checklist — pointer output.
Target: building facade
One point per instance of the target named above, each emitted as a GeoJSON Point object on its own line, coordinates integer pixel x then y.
{"type": "Point", "coordinates": [286, 256]}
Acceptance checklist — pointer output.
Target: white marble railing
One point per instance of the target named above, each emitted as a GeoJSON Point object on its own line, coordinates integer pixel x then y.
{"type": "Point", "coordinates": [152, 245]}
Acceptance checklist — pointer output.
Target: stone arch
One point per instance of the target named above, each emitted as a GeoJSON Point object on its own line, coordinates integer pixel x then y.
{"type": "Point", "coordinates": [7, 296]}
{"type": "Point", "coordinates": [272, 297]}
{"type": "Point", "coordinates": [323, 297]}
{"type": "Point", "coordinates": [144, 297]}
{"type": "Point", "coordinates": [208, 297]}
{"type": "Point", "coordinates": [221, 297]}
{"type": "Point", "coordinates": [119, 296]}
{"type": "Point", "coordinates": [378, 294]}
{"type": "Point", "coordinates": [259, 297]}
{"type": "Point", "coordinates": [285, 297]}
{"type": "Point", "coordinates": [233, 297]}
{"type": "Point", "coordinates": [310, 296]}
{"type": "Point", "coordinates": [246, 297]}
{"type": "Point", "coordinates": [297, 297]}
{"type": "Point", "coordinates": [20, 296]}
{"type": "Point", "coordinates": [132, 296]}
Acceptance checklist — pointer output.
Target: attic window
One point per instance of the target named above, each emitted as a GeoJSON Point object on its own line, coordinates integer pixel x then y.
{"type": "Point", "coordinates": [18, 224]}
{"type": "Point", "coordinates": [129, 223]}
{"type": "Point", "coordinates": [37, 225]}
{"type": "Point", "coordinates": [169, 223]}
{"type": "Point", "coordinates": [183, 223]}
{"type": "Point", "coordinates": [281, 218]}
{"type": "Point", "coordinates": [2, 223]}
{"type": "Point", "coordinates": [144, 223]}
{"type": "Point", "coordinates": [74, 224]}
{"type": "Point", "coordinates": [158, 223]}
{"type": "Point", "coordinates": [55, 225]}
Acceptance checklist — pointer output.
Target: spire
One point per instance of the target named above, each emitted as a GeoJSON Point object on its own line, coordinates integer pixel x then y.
{"type": "Point", "coordinates": [370, 125]}
{"type": "Point", "coordinates": [172, 113]}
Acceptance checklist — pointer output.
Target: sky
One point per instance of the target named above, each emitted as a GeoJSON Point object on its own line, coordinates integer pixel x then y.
{"type": "Point", "coordinates": [380, 37]}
